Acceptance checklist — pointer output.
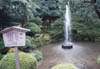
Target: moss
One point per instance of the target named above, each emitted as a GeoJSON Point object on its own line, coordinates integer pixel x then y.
{"type": "Point", "coordinates": [26, 61]}
{"type": "Point", "coordinates": [64, 66]}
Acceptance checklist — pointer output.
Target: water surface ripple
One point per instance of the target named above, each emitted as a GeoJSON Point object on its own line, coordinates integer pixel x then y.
{"type": "Point", "coordinates": [83, 55]}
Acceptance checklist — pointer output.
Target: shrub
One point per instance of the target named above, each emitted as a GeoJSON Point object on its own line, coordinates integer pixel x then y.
{"type": "Point", "coordinates": [35, 42]}
{"type": "Point", "coordinates": [3, 50]}
{"type": "Point", "coordinates": [57, 31]}
{"type": "Point", "coordinates": [26, 61]}
{"type": "Point", "coordinates": [1, 56]}
{"type": "Point", "coordinates": [46, 39]}
{"type": "Point", "coordinates": [29, 42]}
{"type": "Point", "coordinates": [37, 54]}
{"type": "Point", "coordinates": [29, 45]}
{"type": "Point", "coordinates": [42, 39]}
{"type": "Point", "coordinates": [38, 41]}
{"type": "Point", "coordinates": [98, 59]}
{"type": "Point", "coordinates": [85, 28]}
{"type": "Point", "coordinates": [64, 66]}
{"type": "Point", "coordinates": [33, 27]}
{"type": "Point", "coordinates": [11, 50]}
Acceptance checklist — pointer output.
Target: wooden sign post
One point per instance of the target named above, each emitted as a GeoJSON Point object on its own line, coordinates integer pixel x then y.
{"type": "Point", "coordinates": [14, 37]}
{"type": "Point", "coordinates": [17, 58]}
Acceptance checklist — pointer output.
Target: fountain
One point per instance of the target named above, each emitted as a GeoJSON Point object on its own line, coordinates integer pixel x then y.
{"type": "Point", "coordinates": [67, 43]}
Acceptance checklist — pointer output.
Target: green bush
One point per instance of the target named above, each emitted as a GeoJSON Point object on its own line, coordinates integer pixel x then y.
{"type": "Point", "coordinates": [3, 50]}
{"type": "Point", "coordinates": [1, 44]}
{"type": "Point", "coordinates": [85, 28]}
{"type": "Point", "coordinates": [35, 42]}
{"type": "Point", "coordinates": [46, 39]}
{"type": "Point", "coordinates": [42, 39]}
{"type": "Point", "coordinates": [38, 41]}
{"type": "Point", "coordinates": [57, 30]}
{"type": "Point", "coordinates": [64, 66]}
{"type": "Point", "coordinates": [98, 59]}
{"type": "Point", "coordinates": [33, 27]}
{"type": "Point", "coordinates": [26, 61]}
{"type": "Point", "coordinates": [38, 20]}
{"type": "Point", "coordinates": [29, 44]}
{"type": "Point", "coordinates": [1, 56]}
{"type": "Point", "coordinates": [37, 54]}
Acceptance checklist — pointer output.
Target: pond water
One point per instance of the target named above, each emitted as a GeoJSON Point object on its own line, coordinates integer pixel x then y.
{"type": "Point", "coordinates": [83, 55]}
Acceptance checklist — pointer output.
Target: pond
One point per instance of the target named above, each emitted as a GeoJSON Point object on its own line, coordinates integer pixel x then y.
{"type": "Point", "coordinates": [83, 55]}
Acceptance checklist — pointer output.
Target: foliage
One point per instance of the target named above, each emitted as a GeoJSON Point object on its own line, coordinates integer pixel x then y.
{"type": "Point", "coordinates": [35, 42]}
{"type": "Point", "coordinates": [38, 42]}
{"type": "Point", "coordinates": [38, 20]}
{"type": "Point", "coordinates": [3, 50]}
{"type": "Point", "coordinates": [49, 5]}
{"type": "Point", "coordinates": [98, 59]}
{"type": "Point", "coordinates": [64, 66]}
{"type": "Point", "coordinates": [26, 61]}
{"type": "Point", "coordinates": [1, 43]}
{"type": "Point", "coordinates": [37, 54]}
{"type": "Point", "coordinates": [85, 28]}
{"type": "Point", "coordinates": [11, 50]}
{"type": "Point", "coordinates": [57, 31]}
{"type": "Point", "coordinates": [29, 45]}
{"type": "Point", "coordinates": [33, 27]}
{"type": "Point", "coordinates": [31, 14]}
{"type": "Point", "coordinates": [42, 39]}
{"type": "Point", "coordinates": [85, 20]}
{"type": "Point", "coordinates": [46, 37]}
{"type": "Point", "coordinates": [47, 16]}
{"type": "Point", "coordinates": [18, 10]}
{"type": "Point", "coordinates": [1, 56]}
{"type": "Point", "coordinates": [49, 11]}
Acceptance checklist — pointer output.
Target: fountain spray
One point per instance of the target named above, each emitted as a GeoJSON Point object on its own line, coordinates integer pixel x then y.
{"type": "Point", "coordinates": [68, 39]}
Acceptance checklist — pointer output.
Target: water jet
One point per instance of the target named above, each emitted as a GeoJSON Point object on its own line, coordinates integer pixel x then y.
{"type": "Point", "coordinates": [67, 43]}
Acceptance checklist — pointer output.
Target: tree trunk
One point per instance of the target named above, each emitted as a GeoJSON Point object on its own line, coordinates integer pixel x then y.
{"type": "Point", "coordinates": [96, 8]}
{"type": "Point", "coordinates": [44, 25]}
{"type": "Point", "coordinates": [22, 23]}
{"type": "Point", "coordinates": [97, 11]}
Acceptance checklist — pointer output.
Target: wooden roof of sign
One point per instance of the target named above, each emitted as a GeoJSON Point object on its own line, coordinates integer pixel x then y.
{"type": "Point", "coordinates": [17, 28]}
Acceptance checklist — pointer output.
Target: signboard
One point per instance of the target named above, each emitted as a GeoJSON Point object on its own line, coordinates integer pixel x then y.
{"type": "Point", "coordinates": [14, 38]}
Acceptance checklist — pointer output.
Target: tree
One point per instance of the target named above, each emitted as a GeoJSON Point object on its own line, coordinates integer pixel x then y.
{"type": "Point", "coordinates": [49, 11]}
{"type": "Point", "coordinates": [20, 11]}
{"type": "Point", "coordinates": [85, 19]}
{"type": "Point", "coordinates": [86, 8]}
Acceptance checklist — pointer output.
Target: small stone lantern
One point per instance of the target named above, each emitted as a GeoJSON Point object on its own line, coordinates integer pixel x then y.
{"type": "Point", "coordinates": [14, 36]}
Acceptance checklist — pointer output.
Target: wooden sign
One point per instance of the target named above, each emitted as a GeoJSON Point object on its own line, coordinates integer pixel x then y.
{"type": "Point", "coordinates": [14, 36]}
